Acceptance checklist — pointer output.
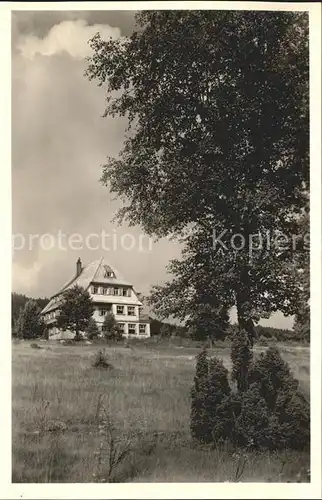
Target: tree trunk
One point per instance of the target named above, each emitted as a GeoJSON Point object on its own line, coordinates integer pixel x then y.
{"type": "Point", "coordinates": [77, 334]}
{"type": "Point", "coordinates": [245, 322]}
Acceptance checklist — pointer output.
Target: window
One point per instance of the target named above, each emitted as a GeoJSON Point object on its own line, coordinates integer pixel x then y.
{"type": "Point", "coordinates": [102, 311]}
{"type": "Point", "coordinates": [104, 290]}
{"type": "Point", "coordinates": [94, 289]}
{"type": "Point", "coordinates": [120, 309]}
{"type": "Point", "coordinates": [128, 292]}
{"type": "Point", "coordinates": [131, 310]}
{"type": "Point", "coordinates": [122, 327]}
{"type": "Point", "coordinates": [142, 330]}
{"type": "Point", "coordinates": [108, 272]}
{"type": "Point", "coordinates": [132, 329]}
{"type": "Point", "coordinates": [124, 292]}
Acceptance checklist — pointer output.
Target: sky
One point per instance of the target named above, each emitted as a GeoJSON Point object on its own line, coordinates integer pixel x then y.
{"type": "Point", "coordinates": [59, 143]}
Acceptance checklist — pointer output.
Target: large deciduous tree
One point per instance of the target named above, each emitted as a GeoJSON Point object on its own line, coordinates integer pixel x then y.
{"type": "Point", "coordinates": [218, 139]}
{"type": "Point", "coordinates": [75, 311]}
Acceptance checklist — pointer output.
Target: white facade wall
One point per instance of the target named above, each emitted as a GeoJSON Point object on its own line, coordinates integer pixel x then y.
{"type": "Point", "coordinates": [110, 302]}
{"type": "Point", "coordinates": [124, 319]}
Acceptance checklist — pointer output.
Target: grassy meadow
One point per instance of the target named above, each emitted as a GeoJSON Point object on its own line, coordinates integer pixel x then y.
{"type": "Point", "coordinates": [58, 434]}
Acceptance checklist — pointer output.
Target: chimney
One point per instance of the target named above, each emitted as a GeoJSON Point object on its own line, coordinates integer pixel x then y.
{"type": "Point", "coordinates": [78, 267]}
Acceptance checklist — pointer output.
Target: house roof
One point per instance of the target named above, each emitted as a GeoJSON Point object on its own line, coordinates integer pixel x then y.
{"type": "Point", "coordinates": [97, 271]}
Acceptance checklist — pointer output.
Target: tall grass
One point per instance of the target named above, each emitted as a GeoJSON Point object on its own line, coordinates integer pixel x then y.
{"type": "Point", "coordinates": [146, 394]}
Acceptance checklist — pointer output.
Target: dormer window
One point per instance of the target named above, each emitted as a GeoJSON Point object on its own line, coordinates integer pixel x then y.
{"type": "Point", "coordinates": [108, 272]}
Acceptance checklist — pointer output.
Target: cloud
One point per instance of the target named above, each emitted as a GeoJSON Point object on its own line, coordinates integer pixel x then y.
{"type": "Point", "coordinates": [39, 22]}
{"type": "Point", "coordinates": [59, 142]}
{"type": "Point", "coordinates": [25, 278]}
{"type": "Point", "coordinates": [69, 37]}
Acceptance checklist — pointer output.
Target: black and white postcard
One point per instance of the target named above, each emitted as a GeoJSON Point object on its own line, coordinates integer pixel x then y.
{"type": "Point", "coordinates": [163, 338]}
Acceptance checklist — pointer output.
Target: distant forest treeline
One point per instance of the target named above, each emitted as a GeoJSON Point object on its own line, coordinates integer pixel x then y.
{"type": "Point", "coordinates": [18, 301]}
{"type": "Point", "coordinates": [158, 327]}
{"type": "Point", "coordinates": [267, 332]}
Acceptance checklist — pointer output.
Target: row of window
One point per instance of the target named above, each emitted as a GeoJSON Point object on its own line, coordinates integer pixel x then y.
{"type": "Point", "coordinates": [131, 329]}
{"type": "Point", "coordinates": [123, 310]}
{"type": "Point", "coordinates": [52, 314]}
{"type": "Point", "coordinates": [111, 290]}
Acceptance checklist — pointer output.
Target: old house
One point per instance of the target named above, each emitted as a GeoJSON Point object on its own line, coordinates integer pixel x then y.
{"type": "Point", "coordinates": [109, 292]}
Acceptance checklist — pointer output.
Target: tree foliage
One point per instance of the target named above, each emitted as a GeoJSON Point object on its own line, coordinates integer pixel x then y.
{"type": "Point", "coordinates": [302, 320]}
{"type": "Point", "coordinates": [18, 302]}
{"type": "Point", "coordinates": [110, 328]}
{"type": "Point", "coordinates": [218, 139]}
{"type": "Point", "coordinates": [92, 330]}
{"type": "Point", "coordinates": [75, 311]}
{"type": "Point", "coordinates": [29, 324]}
{"type": "Point", "coordinates": [268, 412]}
{"type": "Point", "coordinates": [210, 388]}
{"type": "Point", "coordinates": [272, 374]}
{"type": "Point", "coordinates": [166, 330]}
{"type": "Point", "coordinates": [199, 421]}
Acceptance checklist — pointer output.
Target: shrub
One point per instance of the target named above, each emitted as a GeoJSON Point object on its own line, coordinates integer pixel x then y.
{"type": "Point", "coordinates": [293, 414]}
{"type": "Point", "coordinates": [217, 389]}
{"type": "Point", "coordinates": [288, 426]}
{"type": "Point", "coordinates": [210, 388]}
{"type": "Point", "coordinates": [241, 355]}
{"type": "Point", "coordinates": [252, 421]}
{"type": "Point", "coordinates": [224, 419]}
{"type": "Point", "coordinates": [92, 331]}
{"type": "Point", "coordinates": [35, 346]}
{"type": "Point", "coordinates": [199, 421]}
{"type": "Point", "coordinates": [272, 374]}
{"type": "Point", "coordinates": [268, 411]}
{"type": "Point", "coordinates": [68, 342]}
{"type": "Point", "coordinates": [110, 328]}
{"type": "Point", "coordinates": [263, 340]}
{"type": "Point", "coordinates": [101, 361]}
{"type": "Point", "coordinates": [166, 330]}
{"type": "Point", "coordinates": [289, 422]}
{"type": "Point", "coordinates": [202, 368]}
